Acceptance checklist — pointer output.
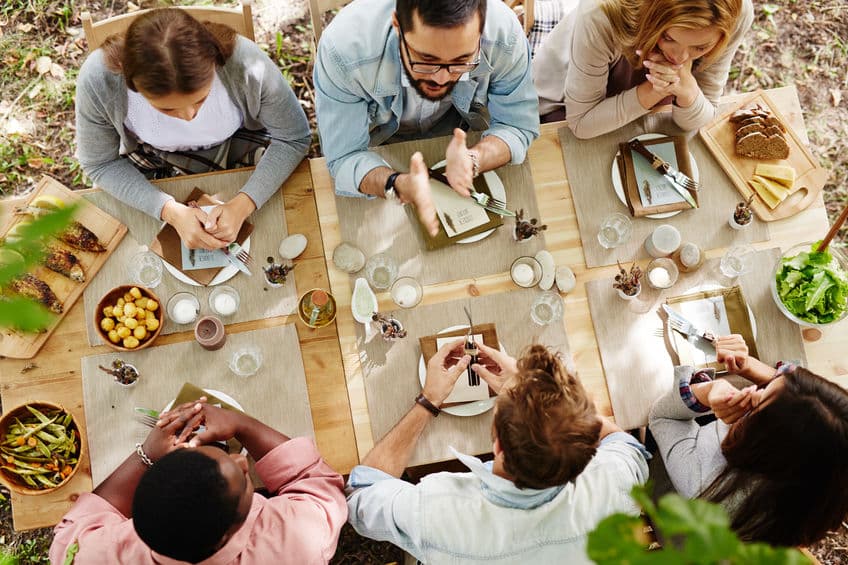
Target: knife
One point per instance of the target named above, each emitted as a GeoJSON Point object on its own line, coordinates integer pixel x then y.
{"type": "Point", "coordinates": [678, 180]}
{"type": "Point", "coordinates": [684, 326]}
{"type": "Point", "coordinates": [230, 252]}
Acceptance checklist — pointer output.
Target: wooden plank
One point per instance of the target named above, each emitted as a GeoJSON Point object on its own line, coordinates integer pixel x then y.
{"type": "Point", "coordinates": [108, 230]}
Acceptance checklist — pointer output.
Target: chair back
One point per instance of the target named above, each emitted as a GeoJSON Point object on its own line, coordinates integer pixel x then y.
{"type": "Point", "coordinates": [316, 13]}
{"type": "Point", "coordinates": [240, 19]}
{"type": "Point", "coordinates": [527, 9]}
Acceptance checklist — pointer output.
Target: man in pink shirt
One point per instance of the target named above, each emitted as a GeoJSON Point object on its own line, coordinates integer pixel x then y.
{"type": "Point", "coordinates": [191, 502]}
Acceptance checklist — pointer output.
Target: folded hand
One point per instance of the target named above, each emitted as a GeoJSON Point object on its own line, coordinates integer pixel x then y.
{"type": "Point", "coordinates": [504, 370]}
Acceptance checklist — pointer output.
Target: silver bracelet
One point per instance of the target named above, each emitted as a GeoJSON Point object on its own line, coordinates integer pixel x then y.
{"type": "Point", "coordinates": [475, 164]}
{"type": "Point", "coordinates": [142, 455]}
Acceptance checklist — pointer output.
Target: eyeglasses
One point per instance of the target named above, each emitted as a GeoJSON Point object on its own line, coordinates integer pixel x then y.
{"type": "Point", "coordinates": [433, 68]}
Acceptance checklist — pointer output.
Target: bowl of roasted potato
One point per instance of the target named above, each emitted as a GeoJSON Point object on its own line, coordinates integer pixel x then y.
{"type": "Point", "coordinates": [129, 318]}
{"type": "Point", "coordinates": [41, 448]}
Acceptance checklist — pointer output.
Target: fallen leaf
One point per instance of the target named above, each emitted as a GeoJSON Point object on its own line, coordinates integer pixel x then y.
{"type": "Point", "coordinates": [43, 64]}
{"type": "Point", "coordinates": [35, 90]}
{"type": "Point", "coordinates": [25, 28]}
{"type": "Point", "coordinates": [131, 7]}
{"type": "Point", "coordinates": [835, 96]}
{"type": "Point", "coordinates": [56, 71]}
{"type": "Point", "coordinates": [35, 162]}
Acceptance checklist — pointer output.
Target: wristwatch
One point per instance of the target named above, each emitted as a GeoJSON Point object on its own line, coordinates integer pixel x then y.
{"type": "Point", "coordinates": [475, 164]}
{"type": "Point", "coordinates": [423, 401]}
{"type": "Point", "coordinates": [391, 192]}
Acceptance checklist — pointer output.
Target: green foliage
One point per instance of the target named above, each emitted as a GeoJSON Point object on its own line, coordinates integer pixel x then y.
{"type": "Point", "coordinates": [15, 311]}
{"type": "Point", "coordinates": [693, 532]}
{"type": "Point", "coordinates": [8, 558]}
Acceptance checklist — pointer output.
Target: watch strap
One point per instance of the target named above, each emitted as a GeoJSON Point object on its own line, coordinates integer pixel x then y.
{"type": "Point", "coordinates": [389, 189]}
{"type": "Point", "coordinates": [431, 408]}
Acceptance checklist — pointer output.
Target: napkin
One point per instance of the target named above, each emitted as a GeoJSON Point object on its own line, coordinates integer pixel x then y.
{"type": "Point", "coordinates": [190, 393]}
{"type": "Point", "coordinates": [167, 242]}
{"type": "Point", "coordinates": [723, 311]}
{"type": "Point", "coordinates": [429, 348]}
{"type": "Point", "coordinates": [635, 171]}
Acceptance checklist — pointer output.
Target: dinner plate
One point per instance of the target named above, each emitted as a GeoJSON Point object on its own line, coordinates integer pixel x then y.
{"type": "Point", "coordinates": [225, 274]}
{"type": "Point", "coordinates": [619, 189]}
{"type": "Point", "coordinates": [703, 345]}
{"type": "Point", "coordinates": [469, 408]}
{"type": "Point", "coordinates": [497, 190]}
{"type": "Point", "coordinates": [216, 393]}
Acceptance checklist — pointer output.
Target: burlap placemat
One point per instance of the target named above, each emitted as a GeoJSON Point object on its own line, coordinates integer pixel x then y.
{"type": "Point", "coordinates": [391, 370]}
{"type": "Point", "coordinates": [375, 225]}
{"type": "Point", "coordinates": [276, 395]}
{"type": "Point", "coordinates": [635, 351]}
{"type": "Point", "coordinates": [588, 166]}
{"type": "Point", "coordinates": [256, 303]}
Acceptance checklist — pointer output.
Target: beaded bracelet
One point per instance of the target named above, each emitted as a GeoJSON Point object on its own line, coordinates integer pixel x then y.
{"type": "Point", "coordinates": [143, 456]}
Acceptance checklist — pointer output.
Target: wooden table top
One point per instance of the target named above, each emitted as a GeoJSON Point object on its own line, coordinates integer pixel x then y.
{"type": "Point", "coordinates": [554, 196]}
{"type": "Point", "coordinates": [54, 373]}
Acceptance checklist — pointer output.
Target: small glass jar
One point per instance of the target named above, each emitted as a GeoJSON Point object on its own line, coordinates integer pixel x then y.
{"type": "Point", "coordinates": [224, 300]}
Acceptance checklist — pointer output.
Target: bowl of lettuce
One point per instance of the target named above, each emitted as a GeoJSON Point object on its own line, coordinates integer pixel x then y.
{"type": "Point", "coordinates": [811, 288]}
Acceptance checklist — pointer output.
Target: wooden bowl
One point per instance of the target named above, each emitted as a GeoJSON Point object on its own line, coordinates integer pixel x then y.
{"type": "Point", "coordinates": [11, 480]}
{"type": "Point", "coordinates": [110, 299]}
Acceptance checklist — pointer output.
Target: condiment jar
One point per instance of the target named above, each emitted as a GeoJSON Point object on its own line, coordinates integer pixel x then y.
{"type": "Point", "coordinates": [689, 257]}
{"type": "Point", "coordinates": [664, 241]}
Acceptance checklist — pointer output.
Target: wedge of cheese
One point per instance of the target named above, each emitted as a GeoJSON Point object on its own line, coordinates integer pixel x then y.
{"type": "Point", "coordinates": [781, 174]}
{"type": "Point", "coordinates": [770, 191]}
{"type": "Point", "coordinates": [764, 194]}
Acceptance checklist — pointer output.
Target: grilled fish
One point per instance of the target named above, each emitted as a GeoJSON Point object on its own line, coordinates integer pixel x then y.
{"type": "Point", "coordinates": [80, 237]}
{"type": "Point", "coordinates": [32, 287]}
{"type": "Point", "coordinates": [64, 262]}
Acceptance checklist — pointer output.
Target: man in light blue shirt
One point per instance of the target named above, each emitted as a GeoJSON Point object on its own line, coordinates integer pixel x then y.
{"type": "Point", "coordinates": [393, 70]}
{"type": "Point", "coordinates": [559, 469]}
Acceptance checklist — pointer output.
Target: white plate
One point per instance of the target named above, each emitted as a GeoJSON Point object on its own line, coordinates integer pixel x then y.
{"type": "Point", "coordinates": [498, 191]}
{"type": "Point", "coordinates": [703, 288]}
{"type": "Point", "coordinates": [469, 408]}
{"type": "Point", "coordinates": [616, 176]}
{"type": "Point", "coordinates": [217, 393]}
{"type": "Point", "coordinates": [223, 275]}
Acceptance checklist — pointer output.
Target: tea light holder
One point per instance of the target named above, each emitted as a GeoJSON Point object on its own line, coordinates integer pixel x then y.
{"type": "Point", "coordinates": [526, 272]}
{"type": "Point", "coordinates": [662, 273]}
{"type": "Point", "coordinates": [224, 300]}
{"type": "Point", "coordinates": [407, 292]}
{"type": "Point", "coordinates": [183, 308]}
{"type": "Point", "coordinates": [664, 241]}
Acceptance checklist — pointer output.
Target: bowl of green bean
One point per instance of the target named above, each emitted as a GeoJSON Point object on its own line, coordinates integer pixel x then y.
{"type": "Point", "coordinates": [40, 448]}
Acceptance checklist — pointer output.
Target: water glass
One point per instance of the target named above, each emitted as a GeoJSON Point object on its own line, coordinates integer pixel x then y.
{"type": "Point", "coordinates": [246, 361]}
{"type": "Point", "coordinates": [381, 271]}
{"type": "Point", "coordinates": [736, 261]}
{"type": "Point", "coordinates": [615, 230]}
{"type": "Point", "coordinates": [145, 269]}
{"type": "Point", "coordinates": [547, 308]}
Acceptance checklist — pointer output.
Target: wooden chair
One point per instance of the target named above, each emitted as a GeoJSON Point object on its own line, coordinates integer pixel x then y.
{"type": "Point", "coordinates": [316, 13]}
{"type": "Point", "coordinates": [240, 19]}
{"type": "Point", "coordinates": [525, 7]}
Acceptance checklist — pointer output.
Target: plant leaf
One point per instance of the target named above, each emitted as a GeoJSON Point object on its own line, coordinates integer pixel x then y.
{"type": "Point", "coordinates": [24, 314]}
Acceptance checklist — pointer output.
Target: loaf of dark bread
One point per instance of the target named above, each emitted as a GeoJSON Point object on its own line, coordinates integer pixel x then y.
{"type": "Point", "coordinates": [759, 134]}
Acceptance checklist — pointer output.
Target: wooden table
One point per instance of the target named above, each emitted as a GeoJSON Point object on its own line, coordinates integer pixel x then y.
{"type": "Point", "coordinates": [825, 356]}
{"type": "Point", "coordinates": [56, 374]}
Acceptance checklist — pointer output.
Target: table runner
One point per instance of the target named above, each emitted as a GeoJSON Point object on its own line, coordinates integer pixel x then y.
{"type": "Point", "coordinates": [635, 354]}
{"type": "Point", "coordinates": [588, 166]}
{"type": "Point", "coordinates": [375, 225]}
{"type": "Point", "coordinates": [256, 303]}
{"type": "Point", "coordinates": [276, 395]}
{"type": "Point", "coordinates": [390, 370]}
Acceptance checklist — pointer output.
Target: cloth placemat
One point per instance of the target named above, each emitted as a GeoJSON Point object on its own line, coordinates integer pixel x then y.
{"type": "Point", "coordinates": [635, 352]}
{"type": "Point", "coordinates": [588, 165]}
{"type": "Point", "coordinates": [376, 226]}
{"type": "Point", "coordinates": [276, 395]}
{"type": "Point", "coordinates": [255, 302]}
{"type": "Point", "coordinates": [390, 369]}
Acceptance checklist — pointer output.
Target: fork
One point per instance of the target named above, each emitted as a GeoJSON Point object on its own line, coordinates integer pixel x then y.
{"type": "Point", "coordinates": [485, 200]}
{"type": "Point", "coordinates": [686, 329]}
{"type": "Point", "coordinates": [240, 253]}
{"type": "Point", "coordinates": [148, 421]}
{"type": "Point", "coordinates": [471, 349]}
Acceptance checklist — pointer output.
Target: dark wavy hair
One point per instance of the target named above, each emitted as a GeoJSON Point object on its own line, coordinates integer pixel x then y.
{"type": "Point", "coordinates": [183, 506]}
{"type": "Point", "coordinates": [167, 51]}
{"type": "Point", "coordinates": [440, 13]}
{"type": "Point", "coordinates": [787, 464]}
{"type": "Point", "coordinates": [546, 424]}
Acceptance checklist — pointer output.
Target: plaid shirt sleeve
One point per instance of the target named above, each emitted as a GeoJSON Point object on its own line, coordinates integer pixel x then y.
{"type": "Point", "coordinates": [686, 394]}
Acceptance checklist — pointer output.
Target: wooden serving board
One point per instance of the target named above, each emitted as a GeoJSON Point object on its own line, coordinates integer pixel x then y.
{"type": "Point", "coordinates": [110, 232]}
{"type": "Point", "coordinates": [720, 138]}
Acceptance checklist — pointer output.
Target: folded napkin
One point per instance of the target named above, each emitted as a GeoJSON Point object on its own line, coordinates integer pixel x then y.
{"type": "Point", "coordinates": [167, 242]}
{"type": "Point", "coordinates": [635, 171]}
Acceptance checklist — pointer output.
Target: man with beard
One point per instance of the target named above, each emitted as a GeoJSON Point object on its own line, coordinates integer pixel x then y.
{"type": "Point", "coordinates": [395, 70]}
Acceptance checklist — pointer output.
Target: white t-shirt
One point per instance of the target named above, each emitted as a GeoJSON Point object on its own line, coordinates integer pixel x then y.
{"type": "Point", "coordinates": [419, 113]}
{"type": "Point", "coordinates": [215, 122]}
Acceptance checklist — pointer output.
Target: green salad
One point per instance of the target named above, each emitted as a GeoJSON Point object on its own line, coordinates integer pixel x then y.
{"type": "Point", "coordinates": [813, 286]}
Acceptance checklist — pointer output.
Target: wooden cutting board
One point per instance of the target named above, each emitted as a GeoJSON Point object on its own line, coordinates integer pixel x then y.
{"type": "Point", "coordinates": [720, 138]}
{"type": "Point", "coordinates": [108, 230]}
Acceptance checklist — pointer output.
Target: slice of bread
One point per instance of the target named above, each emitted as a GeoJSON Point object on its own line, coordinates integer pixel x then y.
{"type": "Point", "coordinates": [757, 145]}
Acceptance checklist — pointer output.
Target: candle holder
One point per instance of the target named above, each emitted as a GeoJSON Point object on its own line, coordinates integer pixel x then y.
{"type": "Point", "coordinates": [224, 300]}
{"type": "Point", "coordinates": [209, 333]}
{"type": "Point", "coordinates": [663, 241]}
{"type": "Point", "coordinates": [407, 292]}
{"type": "Point", "coordinates": [662, 273]}
{"type": "Point", "coordinates": [183, 308]}
{"type": "Point", "coordinates": [526, 272]}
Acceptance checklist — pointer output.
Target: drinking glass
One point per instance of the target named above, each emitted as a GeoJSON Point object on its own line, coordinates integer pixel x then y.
{"type": "Point", "coordinates": [736, 261]}
{"type": "Point", "coordinates": [246, 361]}
{"type": "Point", "coordinates": [615, 230]}
{"type": "Point", "coordinates": [547, 308]}
{"type": "Point", "coordinates": [381, 271]}
{"type": "Point", "coordinates": [145, 269]}
{"type": "Point", "coordinates": [407, 292]}
{"type": "Point", "coordinates": [224, 300]}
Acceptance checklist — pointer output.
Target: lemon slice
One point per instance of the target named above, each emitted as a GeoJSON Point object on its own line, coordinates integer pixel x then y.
{"type": "Point", "coordinates": [11, 257]}
{"type": "Point", "coordinates": [48, 202]}
{"type": "Point", "coordinates": [15, 232]}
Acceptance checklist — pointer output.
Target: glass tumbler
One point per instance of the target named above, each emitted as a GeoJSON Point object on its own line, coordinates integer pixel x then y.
{"type": "Point", "coordinates": [615, 230]}
{"type": "Point", "coordinates": [145, 269]}
{"type": "Point", "coordinates": [381, 270]}
{"type": "Point", "coordinates": [547, 308]}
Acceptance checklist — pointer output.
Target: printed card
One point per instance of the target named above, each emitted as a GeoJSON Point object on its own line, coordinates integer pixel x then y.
{"type": "Point", "coordinates": [654, 188]}
{"type": "Point", "coordinates": [457, 214]}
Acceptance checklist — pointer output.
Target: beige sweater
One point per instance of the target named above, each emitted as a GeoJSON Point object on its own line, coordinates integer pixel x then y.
{"type": "Point", "coordinates": [580, 66]}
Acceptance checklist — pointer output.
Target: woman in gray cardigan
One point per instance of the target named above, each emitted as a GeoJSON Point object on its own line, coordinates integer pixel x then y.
{"type": "Point", "coordinates": [776, 457]}
{"type": "Point", "coordinates": [174, 95]}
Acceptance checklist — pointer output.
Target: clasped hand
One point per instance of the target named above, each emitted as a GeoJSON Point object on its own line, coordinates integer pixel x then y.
{"type": "Point", "coordinates": [668, 79]}
{"type": "Point", "coordinates": [215, 230]}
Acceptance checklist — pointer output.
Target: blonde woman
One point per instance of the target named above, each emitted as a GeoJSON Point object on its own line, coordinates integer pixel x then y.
{"type": "Point", "coordinates": [609, 62]}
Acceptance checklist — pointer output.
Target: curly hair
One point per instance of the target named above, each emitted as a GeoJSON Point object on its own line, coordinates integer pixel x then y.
{"type": "Point", "coordinates": [546, 424]}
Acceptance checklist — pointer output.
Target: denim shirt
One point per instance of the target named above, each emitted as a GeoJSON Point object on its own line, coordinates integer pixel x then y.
{"type": "Point", "coordinates": [482, 517]}
{"type": "Point", "coordinates": [359, 97]}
